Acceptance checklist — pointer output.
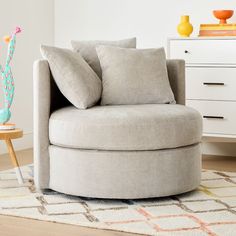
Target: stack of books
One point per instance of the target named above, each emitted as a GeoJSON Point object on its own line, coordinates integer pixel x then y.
{"type": "Point", "coordinates": [212, 30]}
{"type": "Point", "coordinates": [7, 126]}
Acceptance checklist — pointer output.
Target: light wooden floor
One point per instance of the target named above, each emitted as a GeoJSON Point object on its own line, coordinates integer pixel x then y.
{"type": "Point", "coordinates": [12, 226]}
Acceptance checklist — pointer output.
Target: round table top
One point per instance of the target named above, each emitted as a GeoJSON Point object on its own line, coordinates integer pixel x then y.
{"type": "Point", "coordinates": [11, 134]}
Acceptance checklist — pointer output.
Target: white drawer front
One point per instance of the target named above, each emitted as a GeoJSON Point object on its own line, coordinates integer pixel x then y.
{"type": "Point", "coordinates": [219, 109]}
{"type": "Point", "coordinates": [204, 51]}
{"type": "Point", "coordinates": [216, 83]}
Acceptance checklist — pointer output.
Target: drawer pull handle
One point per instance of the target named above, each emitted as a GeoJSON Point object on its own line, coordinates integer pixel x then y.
{"type": "Point", "coordinates": [209, 83]}
{"type": "Point", "coordinates": [214, 117]}
{"type": "Point", "coordinates": [186, 51]}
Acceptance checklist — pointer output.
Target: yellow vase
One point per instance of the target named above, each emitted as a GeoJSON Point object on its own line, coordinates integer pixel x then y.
{"type": "Point", "coordinates": [185, 28]}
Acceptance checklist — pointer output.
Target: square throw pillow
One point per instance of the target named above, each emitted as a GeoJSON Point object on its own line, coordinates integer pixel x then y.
{"type": "Point", "coordinates": [73, 76]}
{"type": "Point", "coordinates": [87, 50]}
{"type": "Point", "coordinates": [134, 76]}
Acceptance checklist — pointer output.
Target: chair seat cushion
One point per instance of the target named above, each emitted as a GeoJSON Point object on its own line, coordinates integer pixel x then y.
{"type": "Point", "coordinates": [126, 127]}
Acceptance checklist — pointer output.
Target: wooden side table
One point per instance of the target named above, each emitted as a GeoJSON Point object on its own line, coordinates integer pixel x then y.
{"type": "Point", "coordinates": [8, 135]}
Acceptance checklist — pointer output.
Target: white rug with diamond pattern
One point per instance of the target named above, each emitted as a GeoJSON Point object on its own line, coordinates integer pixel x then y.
{"type": "Point", "coordinates": [209, 210]}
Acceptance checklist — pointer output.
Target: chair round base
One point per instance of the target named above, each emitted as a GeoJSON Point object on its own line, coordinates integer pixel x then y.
{"type": "Point", "coordinates": [125, 174]}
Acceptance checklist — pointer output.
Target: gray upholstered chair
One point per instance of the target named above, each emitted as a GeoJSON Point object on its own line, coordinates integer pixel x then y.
{"type": "Point", "coordinates": [126, 151]}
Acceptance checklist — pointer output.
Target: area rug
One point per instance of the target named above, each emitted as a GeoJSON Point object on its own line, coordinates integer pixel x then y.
{"type": "Point", "coordinates": [209, 210]}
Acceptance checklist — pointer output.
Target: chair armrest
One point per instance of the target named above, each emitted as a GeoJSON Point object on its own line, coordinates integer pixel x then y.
{"type": "Point", "coordinates": [42, 106]}
{"type": "Point", "coordinates": [176, 73]}
{"type": "Point", "coordinates": [47, 98]}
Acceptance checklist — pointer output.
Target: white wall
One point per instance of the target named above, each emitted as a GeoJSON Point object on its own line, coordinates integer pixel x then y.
{"type": "Point", "coordinates": [151, 21]}
{"type": "Point", "coordinates": [36, 18]}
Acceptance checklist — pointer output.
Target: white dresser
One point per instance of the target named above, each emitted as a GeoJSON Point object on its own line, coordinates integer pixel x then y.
{"type": "Point", "coordinates": [210, 81]}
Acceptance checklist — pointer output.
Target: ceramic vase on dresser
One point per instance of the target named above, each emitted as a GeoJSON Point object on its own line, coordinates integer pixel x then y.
{"type": "Point", "coordinates": [210, 81]}
{"type": "Point", "coordinates": [184, 28]}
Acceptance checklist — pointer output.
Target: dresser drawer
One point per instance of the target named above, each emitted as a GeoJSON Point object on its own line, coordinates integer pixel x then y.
{"type": "Point", "coordinates": [220, 117]}
{"type": "Point", "coordinates": [207, 51]}
{"type": "Point", "coordinates": [211, 83]}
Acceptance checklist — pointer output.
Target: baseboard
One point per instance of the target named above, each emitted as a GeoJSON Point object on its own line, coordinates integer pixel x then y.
{"type": "Point", "coordinates": [22, 143]}
{"type": "Point", "coordinates": [219, 149]}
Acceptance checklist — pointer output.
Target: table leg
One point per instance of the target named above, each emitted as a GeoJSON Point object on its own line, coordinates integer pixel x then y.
{"type": "Point", "coordinates": [14, 161]}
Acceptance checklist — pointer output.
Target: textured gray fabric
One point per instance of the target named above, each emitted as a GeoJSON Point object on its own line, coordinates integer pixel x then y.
{"type": "Point", "coordinates": [125, 175]}
{"type": "Point", "coordinates": [183, 168]}
{"type": "Point", "coordinates": [87, 50]}
{"type": "Point", "coordinates": [42, 86]}
{"type": "Point", "coordinates": [134, 76]}
{"type": "Point", "coordinates": [176, 74]}
{"type": "Point", "coordinates": [126, 127]}
{"type": "Point", "coordinates": [74, 77]}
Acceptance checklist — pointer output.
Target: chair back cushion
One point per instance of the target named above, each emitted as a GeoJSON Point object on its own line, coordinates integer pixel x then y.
{"type": "Point", "coordinates": [87, 50]}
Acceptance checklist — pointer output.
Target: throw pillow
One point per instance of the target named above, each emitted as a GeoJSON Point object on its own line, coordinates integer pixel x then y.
{"type": "Point", "coordinates": [73, 76]}
{"type": "Point", "coordinates": [87, 50]}
{"type": "Point", "coordinates": [134, 76]}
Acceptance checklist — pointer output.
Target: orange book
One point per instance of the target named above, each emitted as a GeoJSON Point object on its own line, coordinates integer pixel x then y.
{"type": "Point", "coordinates": [218, 27]}
{"type": "Point", "coordinates": [216, 33]}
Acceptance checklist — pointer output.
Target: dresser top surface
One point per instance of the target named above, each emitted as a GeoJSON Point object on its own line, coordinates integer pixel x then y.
{"type": "Point", "coordinates": [204, 38]}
